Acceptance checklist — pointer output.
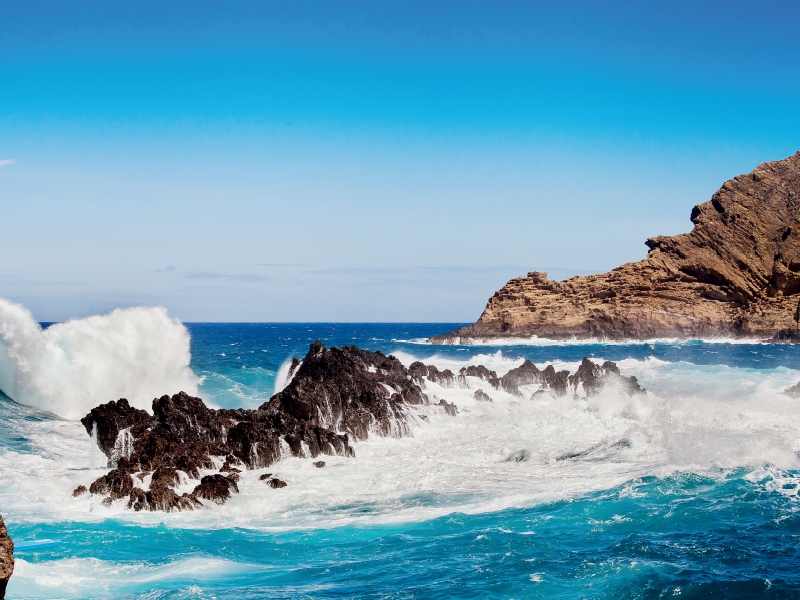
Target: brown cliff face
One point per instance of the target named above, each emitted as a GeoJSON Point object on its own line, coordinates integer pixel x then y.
{"type": "Point", "coordinates": [6, 558]}
{"type": "Point", "coordinates": [737, 273]}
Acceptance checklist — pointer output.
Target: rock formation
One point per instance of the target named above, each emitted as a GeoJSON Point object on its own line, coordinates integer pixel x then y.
{"type": "Point", "coordinates": [737, 273]}
{"type": "Point", "coordinates": [793, 391]}
{"type": "Point", "coordinates": [336, 394]}
{"type": "Point", "coordinates": [6, 558]}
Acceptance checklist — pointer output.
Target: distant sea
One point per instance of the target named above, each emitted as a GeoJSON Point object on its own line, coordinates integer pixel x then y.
{"type": "Point", "coordinates": [691, 491]}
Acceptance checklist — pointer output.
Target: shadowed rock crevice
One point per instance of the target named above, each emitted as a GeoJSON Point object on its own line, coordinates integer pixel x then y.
{"type": "Point", "coordinates": [737, 273]}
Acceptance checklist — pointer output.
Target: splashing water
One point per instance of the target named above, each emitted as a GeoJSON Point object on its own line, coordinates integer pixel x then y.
{"type": "Point", "coordinates": [68, 368]}
{"type": "Point", "coordinates": [691, 490]}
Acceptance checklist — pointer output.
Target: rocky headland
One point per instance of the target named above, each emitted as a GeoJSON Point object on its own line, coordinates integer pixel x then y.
{"type": "Point", "coordinates": [185, 453]}
{"type": "Point", "coordinates": [736, 274]}
{"type": "Point", "coordinates": [6, 558]}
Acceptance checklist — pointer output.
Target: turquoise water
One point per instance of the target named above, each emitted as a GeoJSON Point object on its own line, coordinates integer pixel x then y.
{"type": "Point", "coordinates": [702, 503]}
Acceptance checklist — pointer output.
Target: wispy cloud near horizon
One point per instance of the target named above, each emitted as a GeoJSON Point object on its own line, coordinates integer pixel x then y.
{"type": "Point", "coordinates": [4, 162]}
{"type": "Point", "coordinates": [227, 276]}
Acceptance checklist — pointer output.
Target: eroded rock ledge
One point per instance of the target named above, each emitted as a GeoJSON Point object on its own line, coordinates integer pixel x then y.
{"type": "Point", "coordinates": [6, 558]}
{"type": "Point", "coordinates": [185, 453]}
{"type": "Point", "coordinates": [737, 273]}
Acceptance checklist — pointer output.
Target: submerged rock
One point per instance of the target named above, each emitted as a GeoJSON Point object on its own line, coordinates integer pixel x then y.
{"type": "Point", "coordinates": [482, 396]}
{"type": "Point", "coordinates": [450, 408]}
{"type": "Point", "coordinates": [6, 558]}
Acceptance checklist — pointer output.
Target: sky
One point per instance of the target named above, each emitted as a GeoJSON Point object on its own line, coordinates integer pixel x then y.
{"type": "Point", "coordinates": [367, 161]}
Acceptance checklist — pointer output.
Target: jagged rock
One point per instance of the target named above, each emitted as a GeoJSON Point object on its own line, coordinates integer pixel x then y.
{"type": "Point", "coordinates": [216, 488]}
{"type": "Point", "coordinates": [419, 372]}
{"type": "Point", "coordinates": [320, 464]}
{"type": "Point", "coordinates": [276, 483]}
{"type": "Point", "coordinates": [480, 372]}
{"type": "Point", "coordinates": [794, 391]}
{"type": "Point", "coordinates": [79, 491]}
{"type": "Point", "coordinates": [449, 407]}
{"type": "Point", "coordinates": [737, 273]}
{"type": "Point", "coordinates": [117, 483]}
{"type": "Point", "coordinates": [114, 416]}
{"type": "Point", "coordinates": [293, 367]}
{"type": "Point", "coordinates": [161, 498]}
{"type": "Point", "coordinates": [6, 558]}
{"type": "Point", "coordinates": [352, 390]}
{"type": "Point", "coordinates": [265, 476]}
{"type": "Point", "coordinates": [525, 374]}
{"type": "Point", "coordinates": [555, 380]}
{"type": "Point", "coordinates": [482, 396]}
{"type": "Point", "coordinates": [334, 393]}
{"type": "Point", "coordinates": [595, 377]}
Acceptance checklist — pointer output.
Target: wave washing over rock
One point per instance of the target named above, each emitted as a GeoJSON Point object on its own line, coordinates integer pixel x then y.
{"type": "Point", "coordinates": [737, 273]}
{"type": "Point", "coordinates": [333, 394]}
{"type": "Point", "coordinates": [70, 367]}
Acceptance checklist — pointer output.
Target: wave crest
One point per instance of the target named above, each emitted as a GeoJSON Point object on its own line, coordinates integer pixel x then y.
{"type": "Point", "coordinates": [69, 368]}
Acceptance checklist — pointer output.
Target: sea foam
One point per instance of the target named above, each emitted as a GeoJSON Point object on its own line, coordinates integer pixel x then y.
{"type": "Point", "coordinates": [69, 368]}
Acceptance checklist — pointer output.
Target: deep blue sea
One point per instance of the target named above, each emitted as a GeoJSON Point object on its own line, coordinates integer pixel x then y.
{"type": "Point", "coordinates": [701, 501]}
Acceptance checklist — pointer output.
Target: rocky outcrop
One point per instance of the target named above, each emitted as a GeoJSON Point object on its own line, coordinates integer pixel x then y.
{"type": "Point", "coordinates": [335, 395]}
{"type": "Point", "coordinates": [6, 558]}
{"type": "Point", "coordinates": [794, 391]}
{"type": "Point", "coordinates": [737, 273]}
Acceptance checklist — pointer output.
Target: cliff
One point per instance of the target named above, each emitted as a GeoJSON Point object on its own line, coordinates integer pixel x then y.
{"type": "Point", "coordinates": [737, 273]}
{"type": "Point", "coordinates": [6, 558]}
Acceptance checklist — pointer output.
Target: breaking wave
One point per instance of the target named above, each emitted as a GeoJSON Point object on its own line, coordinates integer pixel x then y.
{"type": "Point", "coordinates": [69, 368]}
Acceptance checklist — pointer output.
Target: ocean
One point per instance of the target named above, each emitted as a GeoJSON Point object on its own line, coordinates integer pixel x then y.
{"type": "Point", "coordinates": [691, 491]}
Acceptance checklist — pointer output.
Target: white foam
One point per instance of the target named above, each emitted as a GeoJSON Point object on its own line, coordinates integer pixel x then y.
{"type": "Point", "coordinates": [494, 361]}
{"type": "Point", "coordinates": [576, 341]}
{"type": "Point", "coordinates": [283, 379]}
{"type": "Point", "coordinates": [90, 577]}
{"type": "Point", "coordinates": [493, 455]}
{"type": "Point", "coordinates": [69, 368]}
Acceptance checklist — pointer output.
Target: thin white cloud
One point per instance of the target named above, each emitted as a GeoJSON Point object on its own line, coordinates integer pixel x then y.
{"type": "Point", "coordinates": [5, 162]}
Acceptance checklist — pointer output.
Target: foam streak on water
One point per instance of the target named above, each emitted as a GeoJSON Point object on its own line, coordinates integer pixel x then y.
{"type": "Point", "coordinates": [552, 497]}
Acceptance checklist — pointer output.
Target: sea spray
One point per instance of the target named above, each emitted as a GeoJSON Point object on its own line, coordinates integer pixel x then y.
{"type": "Point", "coordinates": [68, 368]}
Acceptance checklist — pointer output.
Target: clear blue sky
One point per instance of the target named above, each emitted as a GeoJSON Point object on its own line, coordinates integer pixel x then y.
{"type": "Point", "coordinates": [363, 161]}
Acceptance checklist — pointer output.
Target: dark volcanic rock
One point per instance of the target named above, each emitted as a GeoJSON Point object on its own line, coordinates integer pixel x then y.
{"type": "Point", "coordinates": [6, 558]}
{"type": "Point", "coordinates": [482, 396]}
{"type": "Point", "coordinates": [351, 390]}
{"type": "Point", "coordinates": [113, 418]}
{"type": "Point", "coordinates": [478, 371]}
{"type": "Point", "coordinates": [419, 372]}
{"type": "Point", "coordinates": [320, 464]}
{"type": "Point", "coordinates": [449, 407]}
{"type": "Point", "coordinates": [216, 488]}
{"type": "Point", "coordinates": [595, 377]}
{"type": "Point", "coordinates": [794, 391]}
{"type": "Point", "coordinates": [79, 491]}
{"type": "Point", "coordinates": [525, 374]}
{"type": "Point", "coordinates": [334, 393]}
